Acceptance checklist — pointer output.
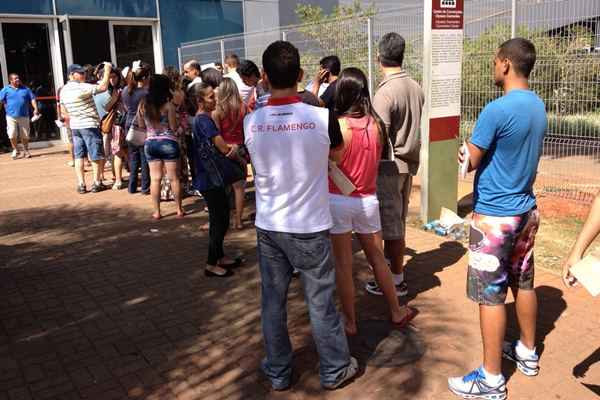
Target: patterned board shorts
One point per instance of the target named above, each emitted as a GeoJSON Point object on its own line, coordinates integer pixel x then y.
{"type": "Point", "coordinates": [501, 255]}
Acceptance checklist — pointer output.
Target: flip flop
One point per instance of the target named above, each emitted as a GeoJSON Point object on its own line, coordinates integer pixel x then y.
{"type": "Point", "coordinates": [403, 323]}
{"type": "Point", "coordinates": [236, 263]}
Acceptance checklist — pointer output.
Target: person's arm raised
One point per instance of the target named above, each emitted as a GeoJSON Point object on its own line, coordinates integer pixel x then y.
{"type": "Point", "coordinates": [103, 85]}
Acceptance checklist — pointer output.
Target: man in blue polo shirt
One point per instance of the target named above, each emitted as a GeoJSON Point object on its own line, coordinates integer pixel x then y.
{"type": "Point", "coordinates": [17, 99]}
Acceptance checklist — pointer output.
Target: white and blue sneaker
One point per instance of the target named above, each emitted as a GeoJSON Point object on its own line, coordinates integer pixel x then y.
{"type": "Point", "coordinates": [528, 364]}
{"type": "Point", "coordinates": [475, 386]}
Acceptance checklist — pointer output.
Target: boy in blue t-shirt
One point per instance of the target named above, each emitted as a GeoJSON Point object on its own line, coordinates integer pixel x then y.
{"type": "Point", "coordinates": [505, 149]}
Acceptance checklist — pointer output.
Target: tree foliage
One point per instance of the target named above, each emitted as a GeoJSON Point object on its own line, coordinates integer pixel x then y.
{"type": "Point", "coordinates": [343, 32]}
{"type": "Point", "coordinates": [566, 75]}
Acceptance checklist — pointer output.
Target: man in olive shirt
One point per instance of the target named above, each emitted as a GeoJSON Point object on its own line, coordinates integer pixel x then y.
{"type": "Point", "coordinates": [399, 102]}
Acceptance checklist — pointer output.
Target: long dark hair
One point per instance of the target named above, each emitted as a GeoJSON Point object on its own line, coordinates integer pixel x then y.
{"type": "Point", "coordinates": [159, 93]}
{"type": "Point", "coordinates": [174, 77]}
{"type": "Point", "coordinates": [137, 76]}
{"type": "Point", "coordinates": [352, 99]}
{"type": "Point", "coordinates": [112, 88]}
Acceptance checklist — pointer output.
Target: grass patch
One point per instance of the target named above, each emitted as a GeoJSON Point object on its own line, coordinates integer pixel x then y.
{"type": "Point", "coordinates": [554, 241]}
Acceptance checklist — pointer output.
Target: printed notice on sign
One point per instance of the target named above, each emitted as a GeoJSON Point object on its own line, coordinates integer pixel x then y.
{"type": "Point", "coordinates": [446, 56]}
{"type": "Point", "coordinates": [445, 52]}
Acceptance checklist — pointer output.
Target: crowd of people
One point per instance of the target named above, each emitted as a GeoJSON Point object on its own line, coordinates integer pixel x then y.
{"type": "Point", "coordinates": [328, 163]}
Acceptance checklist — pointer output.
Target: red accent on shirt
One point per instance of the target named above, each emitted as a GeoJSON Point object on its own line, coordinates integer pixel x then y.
{"type": "Point", "coordinates": [233, 130]}
{"type": "Point", "coordinates": [361, 157]}
{"type": "Point", "coordinates": [281, 101]}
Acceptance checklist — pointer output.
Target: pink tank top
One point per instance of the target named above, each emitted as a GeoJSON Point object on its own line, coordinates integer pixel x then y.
{"type": "Point", "coordinates": [361, 157]}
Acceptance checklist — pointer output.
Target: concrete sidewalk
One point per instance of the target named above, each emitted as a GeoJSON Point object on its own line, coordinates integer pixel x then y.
{"type": "Point", "coordinates": [99, 302]}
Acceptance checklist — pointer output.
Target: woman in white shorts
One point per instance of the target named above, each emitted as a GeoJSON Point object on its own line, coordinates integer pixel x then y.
{"type": "Point", "coordinates": [363, 133]}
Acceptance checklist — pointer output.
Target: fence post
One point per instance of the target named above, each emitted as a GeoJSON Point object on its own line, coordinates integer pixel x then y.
{"type": "Point", "coordinates": [179, 59]}
{"type": "Point", "coordinates": [222, 42]}
{"type": "Point", "coordinates": [513, 20]}
{"type": "Point", "coordinates": [370, 53]}
{"type": "Point", "coordinates": [283, 36]}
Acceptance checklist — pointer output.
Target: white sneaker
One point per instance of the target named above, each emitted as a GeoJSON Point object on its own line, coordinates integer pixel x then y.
{"type": "Point", "coordinates": [349, 373]}
{"type": "Point", "coordinates": [528, 366]}
{"type": "Point", "coordinates": [475, 386]}
{"type": "Point", "coordinates": [26, 154]}
{"type": "Point", "coordinates": [15, 154]}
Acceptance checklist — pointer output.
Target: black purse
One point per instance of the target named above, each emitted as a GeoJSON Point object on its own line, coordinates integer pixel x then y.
{"type": "Point", "coordinates": [220, 170]}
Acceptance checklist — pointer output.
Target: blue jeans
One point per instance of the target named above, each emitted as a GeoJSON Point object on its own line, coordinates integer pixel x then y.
{"type": "Point", "coordinates": [310, 254]}
{"type": "Point", "coordinates": [137, 160]}
{"type": "Point", "coordinates": [88, 141]}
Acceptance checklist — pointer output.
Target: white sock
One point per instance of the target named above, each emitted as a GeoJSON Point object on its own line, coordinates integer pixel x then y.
{"type": "Point", "coordinates": [523, 351]}
{"type": "Point", "coordinates": [491, 379]}
{"type": "Point", "coordinates": [398, 278]}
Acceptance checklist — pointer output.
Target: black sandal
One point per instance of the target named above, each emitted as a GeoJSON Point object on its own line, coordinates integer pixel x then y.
{"type": "Point", "coordinates": [238, 261]}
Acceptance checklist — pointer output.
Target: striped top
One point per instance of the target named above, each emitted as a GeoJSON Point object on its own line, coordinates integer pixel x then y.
{"type": "Point", "coordinates": [78, 99]}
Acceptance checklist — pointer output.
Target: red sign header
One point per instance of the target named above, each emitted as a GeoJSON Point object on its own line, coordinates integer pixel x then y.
{"type": "Point", "coordinates": [447, 14]}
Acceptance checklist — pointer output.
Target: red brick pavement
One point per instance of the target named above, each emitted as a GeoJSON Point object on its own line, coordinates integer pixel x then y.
{"type": "Point", "coordinates": [96, 306]}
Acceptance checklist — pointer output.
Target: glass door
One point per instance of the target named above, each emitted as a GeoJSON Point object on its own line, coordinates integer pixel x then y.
{"type": "Point", "coordinates": [90, 41]}
{"type": "Point", "coordinates": [27, 52]}
{"type": "Point", "coordinates": [131, 42]}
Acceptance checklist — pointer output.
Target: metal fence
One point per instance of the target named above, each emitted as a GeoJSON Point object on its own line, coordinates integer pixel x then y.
{"type": "Point", "coordinates": [567, 74]}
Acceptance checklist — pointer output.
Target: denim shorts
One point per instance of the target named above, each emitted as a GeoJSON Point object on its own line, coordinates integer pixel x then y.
{"type": "Point", "coordinates": [501, 255]}
{"type": "Point", "coordinates": [161, 150]}
{"type": "Point", "coordinates": [88, 141]}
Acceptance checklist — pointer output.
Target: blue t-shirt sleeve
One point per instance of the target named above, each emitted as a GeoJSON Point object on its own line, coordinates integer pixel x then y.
{"type": "Point", "coordinates": [205, 127]}
{"type": "Point", "coordinates": [486, 127]}
{"type": "Point", "coordinates": [211, 130]}
{"type": "Point", "coordinates": [30, 95]}
{"type": "Point", "coordinates": [3, 95]}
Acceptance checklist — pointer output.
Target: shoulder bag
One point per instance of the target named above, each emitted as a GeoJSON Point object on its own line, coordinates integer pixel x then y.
{"type": "Point", "coordinates": [221, 171]}
{"type": "Point", "coordinates": [136, 135]}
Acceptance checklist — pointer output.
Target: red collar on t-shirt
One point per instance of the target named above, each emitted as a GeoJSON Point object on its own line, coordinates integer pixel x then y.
{"type": "Point", "coordinates": [281, 101]}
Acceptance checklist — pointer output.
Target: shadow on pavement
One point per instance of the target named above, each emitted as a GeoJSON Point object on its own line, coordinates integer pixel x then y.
{"type": "Point", "coordinates": [594, 388]}
{"type": "Point", "coordinates": [421, 269]}
{"type": "Point", "coordinates": [581, 369]}
{"type": "Point", "coordinates": [104, 303]}
{"type": "Point", "coordinates": [551, 305]}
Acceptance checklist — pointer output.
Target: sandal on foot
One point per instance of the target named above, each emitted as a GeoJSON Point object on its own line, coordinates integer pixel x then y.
{"type": "Point", "coordinates": [211, 274]}
{"type": "Point", "coordinates": [236, 263]}
{"type": "Point", "coordinates": [403, 323]}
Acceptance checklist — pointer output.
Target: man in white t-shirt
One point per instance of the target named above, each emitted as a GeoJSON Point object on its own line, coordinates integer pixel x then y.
{"type": "Point", "coordinates": [192, 70]}
{"type": "Point", "coordinates": [77, 101]}
{"type": "Point", "coordinates": [232, 62]}
{"type": "Point", "coordinates": [289, 144]}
